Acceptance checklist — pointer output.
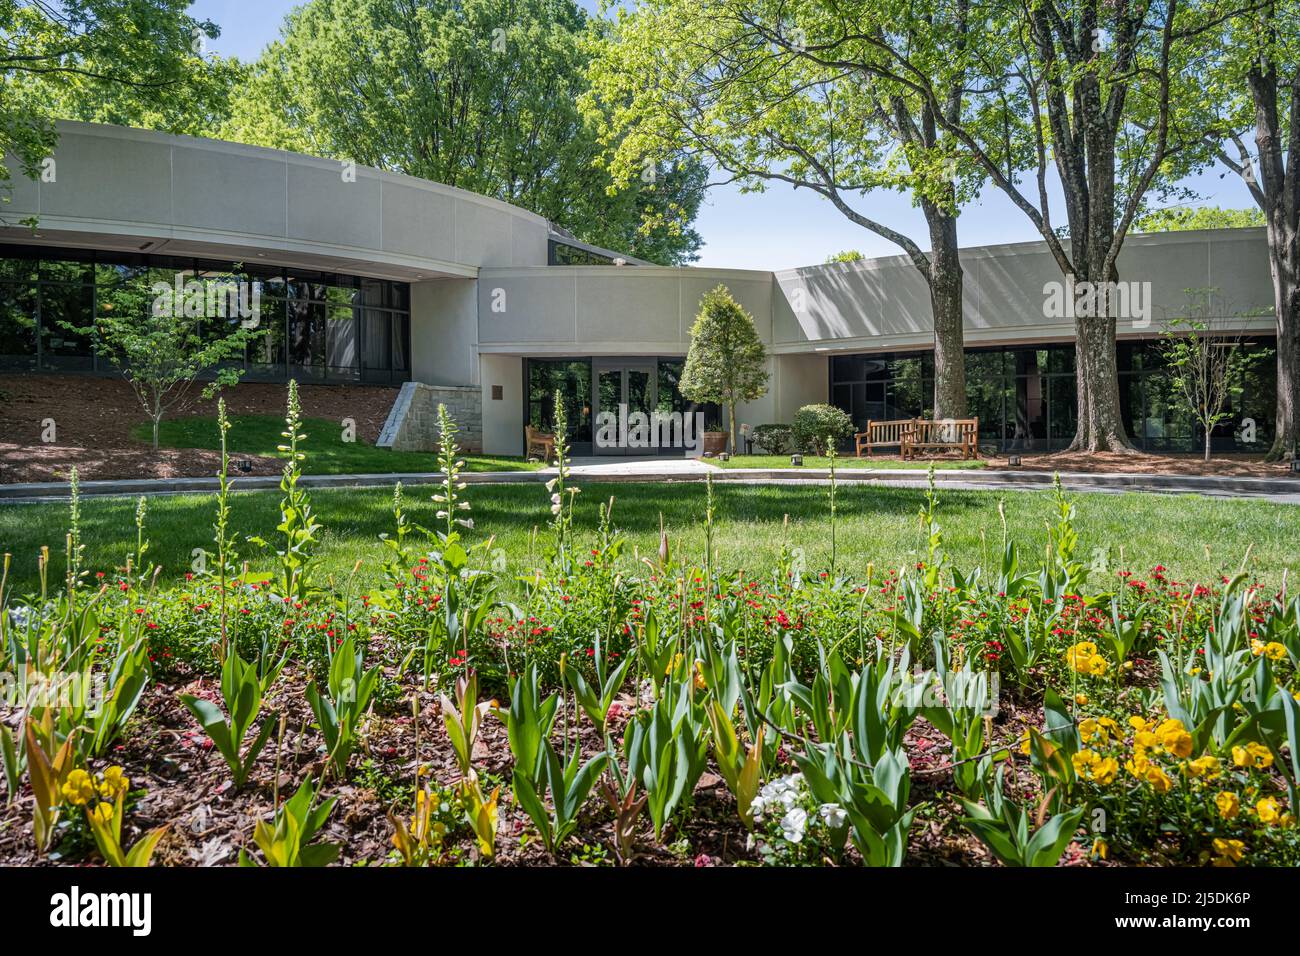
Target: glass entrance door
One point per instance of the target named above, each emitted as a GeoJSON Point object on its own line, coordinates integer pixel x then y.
{"type": "Point", "coordinates": [621, 388]}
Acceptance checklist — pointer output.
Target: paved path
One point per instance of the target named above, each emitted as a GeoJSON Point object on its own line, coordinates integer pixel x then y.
{"type": "Point", "coordinates": [1283, 490]}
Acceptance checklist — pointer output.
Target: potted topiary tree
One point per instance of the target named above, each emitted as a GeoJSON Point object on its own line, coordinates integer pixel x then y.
{"type": "Point", "coordinates": [726, 363]}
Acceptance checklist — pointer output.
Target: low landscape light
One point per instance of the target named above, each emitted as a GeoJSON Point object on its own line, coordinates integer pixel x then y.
{"type": "Point", "coordinates": [244, 465]}
{"type": "Point", "coordinates": [796, 460]}
{"type": "Point", "coordinates": [1295, 466]}
{"type": "Point", "coordinates": [1013, 461]}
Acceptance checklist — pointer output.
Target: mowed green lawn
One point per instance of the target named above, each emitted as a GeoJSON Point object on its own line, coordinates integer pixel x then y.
{"type": "Point", "coordinates": [327, 452]}
{"type": "Point", "coordinates": [1196, 538]}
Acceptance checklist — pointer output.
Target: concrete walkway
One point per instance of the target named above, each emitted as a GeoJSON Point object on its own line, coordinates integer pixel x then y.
{"type": "Point", "coordinates": [631, 468]}
{"type": "Point", "coordinates": [1284, 490]}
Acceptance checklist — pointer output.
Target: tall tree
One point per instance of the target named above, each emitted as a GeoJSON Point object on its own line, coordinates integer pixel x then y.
{"type": "Point", "coordinates": [1261, 66]}
{"type": "Point", "coordinates": [1106, 95]}
{"type": "Point", "coordinates": [767, 91]}
{"type": "Point", "coordinates": [479, 94]}
{"type": "Point", "coordinates": [134, 62]}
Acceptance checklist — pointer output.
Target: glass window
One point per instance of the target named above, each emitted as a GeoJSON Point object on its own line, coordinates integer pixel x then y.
{"type": "Point", "coordinates": [53, 270]}
{"type": "Point", "coordinates": [306, 343]}
{"type": "Point", "coordinates": [17, 325]}
{"type": "Point", "coordinates": [18, 270]}
{"type": "Point", "coordinates": [266, 354]}
{"type": "Point", "coordinates": [341, 348]}
{"type": "Point", "coordinates": [67, 311]}
{"type": "Point", "coordinates": [572, 379]}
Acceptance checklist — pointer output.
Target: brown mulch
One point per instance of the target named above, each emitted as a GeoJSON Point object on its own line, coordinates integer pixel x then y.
{"type": "Point", "coordinates": [187, 787]}
{"type": "Point", "coordinates": [1222, 466]}
{"type": "Point", "coordinates": [94, 418]}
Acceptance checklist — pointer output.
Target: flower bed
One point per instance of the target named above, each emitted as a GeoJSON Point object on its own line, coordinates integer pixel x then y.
{"type": "Point", "coordinates": [683, 713]}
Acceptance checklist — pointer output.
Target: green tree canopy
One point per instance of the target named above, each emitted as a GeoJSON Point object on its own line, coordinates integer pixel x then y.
{"type": "Point", "coordinates": [1183, 218]}
{"type": "Point", "coordinates": [727, 361]}
{"type": "Point", "coordinates": [131, 62]}
{"type": "Point", "coordinates": [767, 91]}
{"type": "Point", "coordinates": [478, 94]}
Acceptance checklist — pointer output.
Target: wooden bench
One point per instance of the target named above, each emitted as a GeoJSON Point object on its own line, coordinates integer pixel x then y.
{"type": "Point", "coordinates": [538, 439]}
{"type": "Point", "coordinates": [947, 434]}
{"type": "Point", "coordinates": [887, 434]}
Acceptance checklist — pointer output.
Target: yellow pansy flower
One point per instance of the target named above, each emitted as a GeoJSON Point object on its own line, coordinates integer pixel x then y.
{"type": "Point", "coordinates": [1084, 659]}
{"type": "Point", "coordinates": [1090, 765]}
{"type": "Point", "coordinates": [1206, 766]}
{"type": "Point", "coordinates": [1081, 699]}
{"type": "Point", "coordinates": [101, 813]}
{"type": "Point", "coordinates": [1105, 771]}
{"type": "Point", "coordinates": [1268, 810]}
{"type": "Point", "coordinates": [1158, 779]}
{"type": "Point", "coordinates": [113, 784]}
{"type": "Point", "coordinates": [1228, 804]}
{"type": "Point", "coordinates": [1252, 755]}
{"type": "Point", "coordinates": [1137, 723]}
{"type": "Point", "coordinates": [1229, 849]}
{"type": "Point", "coordinates": [1137, 764]}
{"type": "Point", "coordinates": [79, 788]}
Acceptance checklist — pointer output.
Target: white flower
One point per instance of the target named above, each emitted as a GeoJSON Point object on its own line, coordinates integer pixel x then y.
{"type": "Point", "coordinates": [833, 814]}
{"type": "Point", "coordinates": [793, 824]}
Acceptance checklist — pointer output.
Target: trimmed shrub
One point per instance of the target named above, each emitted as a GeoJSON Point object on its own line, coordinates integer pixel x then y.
{"type": "Point", "coordinates": [774, 439]}
{"type": "Point", "coordinates": [813, 424]}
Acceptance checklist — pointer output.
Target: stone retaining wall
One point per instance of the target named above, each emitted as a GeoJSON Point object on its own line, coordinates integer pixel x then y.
{"type": "Point", "coordinates": [413, 423]}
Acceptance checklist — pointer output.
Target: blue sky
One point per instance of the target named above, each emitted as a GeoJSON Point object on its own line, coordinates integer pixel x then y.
{"type": "Point", "coordinates": [778, 229]}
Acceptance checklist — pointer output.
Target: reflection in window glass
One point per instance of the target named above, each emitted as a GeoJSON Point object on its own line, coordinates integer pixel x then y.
{"type": "Point", "coordinates": [572, 379]}
{"type": "Point", "coordinates": [310, 322]}
{"type": "Point", "coordinates": [17, 326]}
{"type": "Point", "coordinates": [66, 313]}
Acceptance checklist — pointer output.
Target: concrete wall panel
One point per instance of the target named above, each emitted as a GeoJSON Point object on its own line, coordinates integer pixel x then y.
{"type": "Point", "coordinates": [503, 418]}
{"type": "Point", "coordinates": [323, 207]}
{"type": "Point", "coordinates": [110, 178]}
{"type": "Point", "coordinates": [230, 192]}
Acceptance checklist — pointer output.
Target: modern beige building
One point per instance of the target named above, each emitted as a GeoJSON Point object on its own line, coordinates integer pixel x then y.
{"type": "Point", "coordinates": [368, 276]}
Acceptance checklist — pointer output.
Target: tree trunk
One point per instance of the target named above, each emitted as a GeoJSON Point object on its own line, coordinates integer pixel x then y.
{"type": "Point", "coordinates": [1277, 192]}
{"type": "Point", "coordinates": [731, 417]}
{"type": "Point", "coordinates": [1207, 444]}
{"type": "Point", "coordinates": [1287, 415]}
{"type": "Point", "coordinates": [945, 281]}
{"type": "Point", "coordinates": [156, 420]}
{"type": "Point", "coordinates": [1101, 423]}
{"type": "Point", "coordinates": [1284, 263]}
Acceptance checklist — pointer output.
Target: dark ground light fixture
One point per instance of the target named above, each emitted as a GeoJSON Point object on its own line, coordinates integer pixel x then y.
{"type": "Point", "coordinates": [1013, 461]}
{"type": "Point", "coordinates": [796, 460]}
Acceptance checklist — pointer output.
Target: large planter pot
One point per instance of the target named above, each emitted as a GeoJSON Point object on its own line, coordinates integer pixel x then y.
{"type": "Point", "coordinates": [715, 443]}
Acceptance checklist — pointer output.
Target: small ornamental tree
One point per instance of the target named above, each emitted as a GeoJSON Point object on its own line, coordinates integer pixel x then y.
{"type": "Point", "coordinates": [727, 362]}
{"type": "Point", "coordinates": [161, 351]}
{"type": "Point", "coordinates": [1206, 362]}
